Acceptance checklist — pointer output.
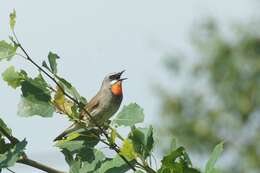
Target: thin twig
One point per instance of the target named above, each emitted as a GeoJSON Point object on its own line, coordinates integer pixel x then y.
{"type": "Point", "coordinates": [32, 163]}
{"type": "Point", "coordinates": [18, 54]}
{"type": "Point", "coordinates": [16, 38]}
{"type": "Point", "coordinates": [10, 170]}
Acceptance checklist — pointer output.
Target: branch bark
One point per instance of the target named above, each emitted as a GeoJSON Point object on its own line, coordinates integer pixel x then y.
{"type": "Point", "coordinates": [25, 160]}
{"type": "Point", "coordinates": [34, 164]}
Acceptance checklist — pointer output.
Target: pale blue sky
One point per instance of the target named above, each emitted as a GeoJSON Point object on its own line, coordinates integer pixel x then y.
{"type": "Point", "coordinates": [97, 37]}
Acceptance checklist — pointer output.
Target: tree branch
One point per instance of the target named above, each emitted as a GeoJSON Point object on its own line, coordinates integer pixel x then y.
{"type": "Point", "coordinates": [115, 147]}
{"type": "Point", "coordinates": [25, 160]}
{"type": "Point", "coordinates": [10, 170]}
{"type": "Point", "coordinates": [32, 163]}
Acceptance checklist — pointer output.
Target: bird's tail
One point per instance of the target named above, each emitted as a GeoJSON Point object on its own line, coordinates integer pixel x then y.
{"type": "Point", "coordinates": [74, 127]}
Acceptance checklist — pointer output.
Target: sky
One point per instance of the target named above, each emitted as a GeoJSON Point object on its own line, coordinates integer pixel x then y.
{"type": "Point", "coordinates": [94, 38]}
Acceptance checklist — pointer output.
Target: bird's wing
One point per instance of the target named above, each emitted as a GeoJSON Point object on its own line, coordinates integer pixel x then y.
{"type": "Point", "coordinates": [90, 107]}
{"type": "Point", "coordinates": [92, 104]}
{"type": "Point", "coordinates": [74, 127]}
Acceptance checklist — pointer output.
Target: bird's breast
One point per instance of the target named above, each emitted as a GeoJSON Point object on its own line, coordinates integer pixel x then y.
{"type": "Point", "coordinates": [116, 89]}
{"type": "Point", "coordinates": [108, 106]}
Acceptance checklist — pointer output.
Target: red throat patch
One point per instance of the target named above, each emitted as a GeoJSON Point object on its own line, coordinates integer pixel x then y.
{"type": "Point", "coordinates": [117, 88]}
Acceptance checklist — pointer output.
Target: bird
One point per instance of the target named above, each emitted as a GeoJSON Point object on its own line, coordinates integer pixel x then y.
{"type": "Point", "coordinates": [101, 107]}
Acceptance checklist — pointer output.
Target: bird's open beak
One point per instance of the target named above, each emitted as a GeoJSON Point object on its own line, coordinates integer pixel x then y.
{"type": "Point", "coordinates": [120, 74]}
{"type": "Point", "coordinates": [121, 79]}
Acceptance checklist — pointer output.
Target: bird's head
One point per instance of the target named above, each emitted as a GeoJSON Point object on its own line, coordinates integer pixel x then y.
{"type": "Point", "coordinates": [113, 81]}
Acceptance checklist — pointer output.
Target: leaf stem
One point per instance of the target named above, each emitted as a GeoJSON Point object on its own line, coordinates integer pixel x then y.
{"type": "Point", "coordinates": [117, 134]}
{"type": "Point", "coordinates": [10, 170]}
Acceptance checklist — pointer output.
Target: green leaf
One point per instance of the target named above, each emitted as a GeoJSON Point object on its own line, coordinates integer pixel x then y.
{"type": "Point", "coordinates": [139, 171]}
{"type": "Point", "coordinates": [115, 165]}
{"type": "Point", "coordinates": [44, 64]}
{"type": "Point", "coordinates": [177, 161]}
{"type": "Point", "coordinates": [10, 157]}
{"type": "Point", "coordinates": [129, 115]}
{"type": "Point", "coordinates": [214, 157]}
{"type": "Point", "coordinates": [59, 97]}
{"type": "Point", "coordinates": [68, 156]}
{"type": "Point", "coordinates": [30, 106]}
{"type": "Point", "coordinates": [4, 146]}
{"type": "Point", "coordinates": [12, 19]}
{"type": "Point", "coordinates": [71, 146]}
{"type": "Point", "coordinates": [13, 78]}
{"type": "Point", "coordinates": [143, 141]}
{"type": "Point", "coordinates": [72, 90]}
{"type": "Point", "coordinates": [77, 141]}
{"type": "Point", "coordinates": [94, 163]}
{"type": "Point", "coordinates": [52, 57]}
{"type": "Point", "coordinates": [62, 104]}
{"type": "Point", "coordinates": [4, 126]}
{"type": "Point", "coordinates": [113, 135]}
{"type": "Point", "coordinates": [85, 160]}
{"type": "Point", "coordinates": [7, 51]}
{"type": "Point", "coordinates": [171, 158]}
{"type": "Point", "coordinates": [127, 150]}
{"type": "Point", "coordinates": [173, 144]}
{"type": "Point", "coordinates": [36, 88]}
{"type": "Point", "coordinates": [74, 167]}
{"type": "Point", "coordinates": [65, 83]}
{"type": "Point", "coordinates": [36, 98]}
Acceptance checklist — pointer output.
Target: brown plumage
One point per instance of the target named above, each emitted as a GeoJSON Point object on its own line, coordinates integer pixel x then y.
{"type": "Point", "coordinates": [102, 106]}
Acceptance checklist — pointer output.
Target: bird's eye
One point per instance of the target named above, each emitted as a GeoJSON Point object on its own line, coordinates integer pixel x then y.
{"type": "Point", "coordinates": [111, 77]}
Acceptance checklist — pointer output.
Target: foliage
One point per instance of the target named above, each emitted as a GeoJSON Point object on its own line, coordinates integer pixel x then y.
{"type": "Point", "coordinates": [13, 78]}
{"type": "Point", "coordinates": [214, 157]}
{"type": "Point", "coordinates": [130, 115]}
{"type": "Point", "coordinates": [9, 153]}
{"type": "Point", "coordinates": [177, 161]}
{"type": "Point", "coordinates": [127, 150]}
{"type": "Point", "coordinates": [81, 149]}
{"type": "Point", "coordinates": [223, 102]}
{"type": "Point", "coordinates": [6, 129]}
{"type": "Point", "coordinates": [12, 155]}
{"type": "Point", "coordinates": [143, 140]}
{"type": "Point", "coordinates": [7, 50]}
{"type": "Point", "coordinates": [12, 19]}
